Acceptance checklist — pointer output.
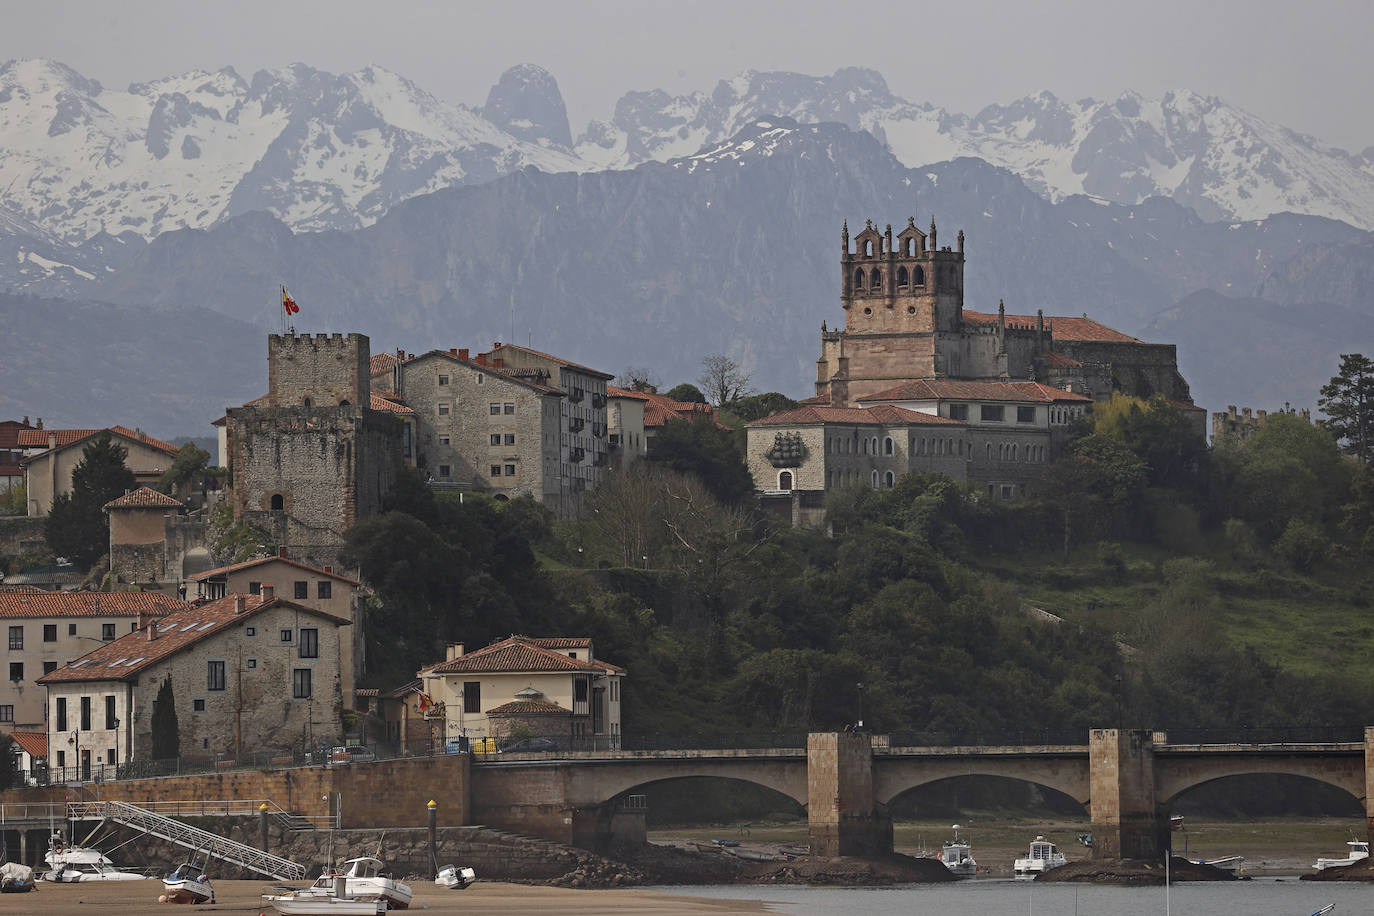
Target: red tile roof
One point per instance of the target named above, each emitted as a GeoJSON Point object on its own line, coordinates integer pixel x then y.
{"type": "Point", "coordinates": [382, 362]}
{"type": "Point", "coordinates": [660, 410]}
{"type": "Point", "coordinates": [954, 389]}
{"type": "Point", "coordinates": [1060, 361]}
{"type": "Point", "coordinates": [248, 564]}
{"type": "Point", "coordinates": [390, 404]}
{"type": "Point", "coordinates": [126, 657]}
{"type": "Point", "coordinates": [878, 415]}
{"type": "Point", "coordinates": [1061, 327]}
{"type": "Point", "coordinates": [518, 653]}
{"type": "Point", "coordinates": [65, 437]}
{"type": "Point", "coordinates": [144, 498]}
{"type": "Point", "coordinates": [35, 744]}
{"type": "Point", "coordinates": [529, 708]}
{"type": "Point", "coordinates": [495, 351]}
{"type": "Point", "coordinates": [15, 604]}
{"type": "Point", "coordinates": [561, 642]}
{"type": "Point", "coordinates": [614, 392]}
{"type": "Point", "coordinates": [504, 373]}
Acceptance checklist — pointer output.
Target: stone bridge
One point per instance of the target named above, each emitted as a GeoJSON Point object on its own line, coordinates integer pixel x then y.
{"type": "Point", "coordinates": [1126, 779]}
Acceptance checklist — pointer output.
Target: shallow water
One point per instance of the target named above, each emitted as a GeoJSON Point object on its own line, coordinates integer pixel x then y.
{"type": "Point", "coordinates": [998, 897]}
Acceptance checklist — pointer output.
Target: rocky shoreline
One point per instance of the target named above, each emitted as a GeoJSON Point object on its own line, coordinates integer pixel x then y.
{"type": "Point", "coordinates": [1134, 872]}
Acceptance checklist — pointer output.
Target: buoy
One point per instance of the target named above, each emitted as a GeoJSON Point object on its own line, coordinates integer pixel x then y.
{"type": "Point", "coordinates": [162, 898]}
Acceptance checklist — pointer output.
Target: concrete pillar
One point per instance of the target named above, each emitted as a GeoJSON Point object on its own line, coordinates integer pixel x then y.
{"type": "Point", "coordinates": [1126, 822]}
{"type": "Point", "coordinates": [1369, 780]}
{"type": "Point", "coordinates": [843, 819]}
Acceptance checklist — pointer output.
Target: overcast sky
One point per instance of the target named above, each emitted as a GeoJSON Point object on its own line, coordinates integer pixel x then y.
{"type": "Point", "coordinates": [1305, 65]}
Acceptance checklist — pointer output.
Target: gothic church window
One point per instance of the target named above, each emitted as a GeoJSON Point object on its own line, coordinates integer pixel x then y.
{"type": "Point", "coordinates": [859, 280]}
{"type": "Point", "coordinates": [868, 248]}
{"type": "Point", "coordinates": [887, 446]}
{"type": "Point", "coordinates": [889, 479]}
{"type": "Point", "coordinates": [903, 278]}
{"type": "Point", "coordinates": [911, 248]}
{"type": "Point", "coordinates": [877, 279]}
{"type": "Point", "coordinates": [918, 277]}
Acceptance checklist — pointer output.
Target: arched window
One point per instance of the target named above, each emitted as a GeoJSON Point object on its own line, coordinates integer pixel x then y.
{"type": "Point", "coordinates": [989, 451]}
{"type": "Point", "coordinates": [785, 480]}
{"type": "Point", "coordinates": [868, 248]}
{"type": "Point", "coordinates": [344, 402]}
{"type": "Point", "coordinates": [278, 503]}
{"type": "Point", "coordinates": [1013, 453]}
{"type": "Point", "coordinates": [918, 277]}
{"type": "Point", "coordinates": [903, 278]}
{"type": "Point", "coordinates": [874, 444]}
{"type": "Point", "coordinates": [876, 279]}
{"type": "Point", "coordinates": [889, 479]}
{"type": "Point", "coordinates": [874, 480]}
{"type": "Point", "coordinates": [887, 446]}
{"type": "Point", "coordinates": [911, 248]}
{"type": "Point", "coordinates": [859, 280]}
{"type": "Point", "coordinates": [305, 402]}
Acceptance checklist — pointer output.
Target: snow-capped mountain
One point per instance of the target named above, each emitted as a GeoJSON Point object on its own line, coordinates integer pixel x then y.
{"type": "Point", "coordinates": [1223, 162]}
{"type": "Point", "coordinates": [317, 150]}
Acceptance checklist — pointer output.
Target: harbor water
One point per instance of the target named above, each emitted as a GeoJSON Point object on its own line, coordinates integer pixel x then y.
{"type": "Point", "coordinates": [1008, 897]}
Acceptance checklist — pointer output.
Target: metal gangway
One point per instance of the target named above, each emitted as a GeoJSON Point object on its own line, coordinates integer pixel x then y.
{"type": "Point", "coordinates": [183, 834]}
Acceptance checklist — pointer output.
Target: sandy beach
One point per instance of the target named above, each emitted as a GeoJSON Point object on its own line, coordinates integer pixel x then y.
{"type": "Point", "coordinates": [115, 898]}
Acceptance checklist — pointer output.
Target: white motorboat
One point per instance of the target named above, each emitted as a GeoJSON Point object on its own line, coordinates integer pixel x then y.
{"type": "Point", "coordinates": [67, 863]}
{"type": "Point", "coordinates": [187, 884]}
{"type": "Point", "coordinates": [363, 879]}
{"type": "Point", "coordinates": [301, 903]}
{"type": "Point", "coordinates": [1359, 849]}
{"type": "Point", "coordinates": [455, 878]}
{"type": "Point", "coordinates": [1233, 864]}
{"type": "Point", "coordinates": [1043, 856]}
{"type": "Point", "coordinates": [957, 857]}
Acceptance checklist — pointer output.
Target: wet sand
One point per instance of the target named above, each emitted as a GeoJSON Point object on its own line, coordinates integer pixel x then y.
{"type": "Point", "coordinates": [140, 897]}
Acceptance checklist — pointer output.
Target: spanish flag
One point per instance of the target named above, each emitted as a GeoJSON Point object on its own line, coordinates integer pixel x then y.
{"type": "Point", "coordinates": [426, 702]}
{"type": "Point", "coordinates": [288, 303]}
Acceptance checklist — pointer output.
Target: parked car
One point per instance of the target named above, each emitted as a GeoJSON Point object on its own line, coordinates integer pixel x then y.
{"type": "Point", "coordinates": [361, 754]}
{"type": "Point", "coordinates": [530, 745]}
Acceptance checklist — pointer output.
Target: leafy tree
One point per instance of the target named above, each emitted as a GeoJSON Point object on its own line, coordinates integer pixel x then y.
{"type": "Point", "coordinates": [706, 451]}
{"type": "Point", "coordinates": [166, 732]}
{"type": "Point", "coordinates": [687, 393]}
{"type": "Point", "coordinates": [758, 406]}
{"type": "Point", "coordinates": [77, 526]}
{"type": "Point", "coordinates": [1348, 402]}
{"type": "Point", "coordinates": [15, 500]}
{"type": "Point", "coordinates": [639, 378]}
{"type": "Point", "coordinates": [1160, 434]}
{"type": "Point", "coordinates": [188, 468]}
{"type": "Point", "coordinates": [723, 380]}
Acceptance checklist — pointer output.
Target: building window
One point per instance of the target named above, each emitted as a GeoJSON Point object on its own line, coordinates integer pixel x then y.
{"type": "Point", "coordinates": [494, 439]}
{"type": "Point", "coordinates": [287, 635]}
{"type": "Point", "coordinates": [472, 696]}
{"type": "Point", "coordinates": [495, 408]}
{"type": "Point", "coordinates": [110, 756]}
{"type": "Point", "coordinates": [508, 438]}
{"type": "Point", "coordinates": [300, 589]}
{"type": "Point", "coordinates": [443, 380]}
{"type": "Point", "coordinates": [958, 411]}
{"type": "Point", "coordinates": [50, 632]}
{"type": "Point", "coordinates": [198, 704]}
{"type": "Point", "coordinates": [990, 413]}
{"type": "Point", "coordinates": [443, 410]}
{"type": "Point", "coordinates": [16, 638]}
{"type": "Point", "coordinates": [310, 643]}
{"type": "Point", "coordinates": [255, 588]}
{"type": "Point", "coordinates": [107, 631]}
{"type": "Point", "coordinates": [510, 470]}
{"type": "Point", "coordinates": [110, 719]}
{"type": "Point", "coordinates": [873, 480]}
{"type": "Point", "coordinates": [250, 631]}
{"type": "Point", "coordinates": [6, 713]}
{"type": "Point", "coordinates": [889, 479]}
{"type": "Point", "coordinates": [214, 675]}
{"type": "Point", "coordinates": [496, 470]}
{"type": "Point", "coordinates": [324, 589]}
{"type": "Point", "coordinates": [85, 714]}
{"type": "Point", "coordinates": [71, 629]}
{"type": "Point", "coordinates": [1025, 415]}
{"type": "Point", "coordinates": [61, 714]}
{"type": "Point", "coordinates": [445, 470]}
{"type": "Point", "coordinates": [49, 667]}
{"type": "Point", "coordinates": [250, 663]}
{"type": "Point", "coordinates": [509, 409]}
{"type": "Point", "coordinates": [300, 683]}
{"type": "Point", "coordinates": [887, 445]}
{"type": "Point", "coordinates": [278, 502]}
{"type": "Point", "coordinates": [16, 671]}
{"type": "Point", "coordinates": [444, 439]}
{"type": "Point", "coordinates": [785, 480]}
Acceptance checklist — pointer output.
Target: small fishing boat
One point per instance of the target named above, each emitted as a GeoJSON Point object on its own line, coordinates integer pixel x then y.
{"type": "Point", "coordinates": [335, 902]}
{"type": "Point", "coordinates": [187, 884]}
{"type": "Point", "coordinates": [1329, 908]}
{"type": "Point", "coordinates": [67, 863]}
{"type": "Point", "coordinates": [1359, 850]}
{"type": "Point", "coordinates": [1043, 856]}
{"type": "Point", "coordinates": [455, 878]}
{"type": "Point", "coordinates": [958, 857]}
{"type": "Point", "coordinates": [1233, 864]}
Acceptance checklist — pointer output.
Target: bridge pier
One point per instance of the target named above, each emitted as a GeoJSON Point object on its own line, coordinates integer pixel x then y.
{"type": "Point", "coordinates": [843, 818]}
{"type": "Point", "coordinates": [1126, 820]}
{"type": "Point", "coordinates": [1369, 782]}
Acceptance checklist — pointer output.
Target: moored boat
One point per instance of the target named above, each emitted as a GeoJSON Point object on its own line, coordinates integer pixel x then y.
{"type": "Point", "coordinates": [1233, 864]}
{"type": "Point", "coordinates": [15, 878]}
{"type": "Point", "coordinates": [187, 884]}
{"type": "Point", "coordinates": [335, 901]}
{"type": "Point", "coordinates": [455, 878]}
{"type": "Point", "coordinates": [1043, 856]}
{"type": "Point", "coordinates": [958, 856]}
{"type": "Point", "coordinates": [67, 863]}
{"type": "Point", "coordinates": [1359, 850]}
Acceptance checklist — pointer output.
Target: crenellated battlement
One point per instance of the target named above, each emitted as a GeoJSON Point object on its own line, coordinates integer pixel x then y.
{"type": "Point", "coordinates": [319, 370]}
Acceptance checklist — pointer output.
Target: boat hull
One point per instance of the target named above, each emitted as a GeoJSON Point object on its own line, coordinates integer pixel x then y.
{"type": "Point", "coordinates": [187, 892]}
{"type": "Point", "coordinates": [310, 905]}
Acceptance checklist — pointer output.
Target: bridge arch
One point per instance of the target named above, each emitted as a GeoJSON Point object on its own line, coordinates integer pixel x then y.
{"type": "Point", "coordinates": [598, 785]}
{"type": "Point", "coordinates": [895, 776]}
{"type": "Point", "coordinates": [1175, 777]}
{"type": "Point", "coordinates": [951, 797]}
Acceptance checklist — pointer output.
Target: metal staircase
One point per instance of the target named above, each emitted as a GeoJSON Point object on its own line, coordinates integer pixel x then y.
{"type": "Point", "coordinates": [193, 838]}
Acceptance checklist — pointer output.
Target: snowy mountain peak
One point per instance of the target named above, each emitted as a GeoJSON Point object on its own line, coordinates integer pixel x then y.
{"type": "Point", "coordinates": [526, 104]}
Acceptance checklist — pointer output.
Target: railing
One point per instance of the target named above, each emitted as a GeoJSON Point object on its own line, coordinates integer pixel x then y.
{"type": "Point", "coordinates": [243, 807]}
{"type": "Point", "coordinates": [1265, 734]}
{"type": "Point", "coordinates": [183, 834]}
{"type": "Point", "coordinates": [1000, 737]}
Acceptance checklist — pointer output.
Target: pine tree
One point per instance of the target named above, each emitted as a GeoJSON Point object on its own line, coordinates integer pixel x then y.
{"type": "Point", "coordinates": [1348, 402]}
{"type": "Point", "coordinates": [166, 732]}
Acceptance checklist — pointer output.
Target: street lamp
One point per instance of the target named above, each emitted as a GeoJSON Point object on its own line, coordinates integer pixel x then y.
{"type": "Point", "coordinates": [116, 759]}
{"type": "Point", "coordinates": [860, 685]}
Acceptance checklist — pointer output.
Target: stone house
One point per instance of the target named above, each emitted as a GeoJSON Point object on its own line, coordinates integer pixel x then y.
{"type": "Point", "coordinates": [323, 588]}
{"type": "Point", "coordinates": [251, 675]}
{"type": "Point", "coordinates": [625, 433]}
{"type": "Point", "coordinates": [528, 687]}
{"type": "Point", "coordinates": [54, 453]}
{"type": "Point", "coordinates": [46, 629]}
{"type": "Point", "coordinates": [140, 522]}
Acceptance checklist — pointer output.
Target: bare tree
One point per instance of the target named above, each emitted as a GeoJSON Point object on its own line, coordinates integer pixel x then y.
{"type": "Point", "coordinates": [639, 378]}
{"type": "Point", "coordinates": [724, 381]}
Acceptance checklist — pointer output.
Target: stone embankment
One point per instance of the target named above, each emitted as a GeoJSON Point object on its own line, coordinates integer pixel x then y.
{"type": "Point", "coordinates": [1134, 872]}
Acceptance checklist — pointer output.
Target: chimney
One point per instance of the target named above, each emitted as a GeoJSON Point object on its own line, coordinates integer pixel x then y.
{"type": "Point", "coordinates": [269, 592]}
{"type": "Point", "coordinates": [142, 621]}
{"type": "Point", "coordinates": [463, 353]}
{"type": "Point", "coordinates": [26, 419]}
{"type": "Point", "coordinates": [152, 630]}
{"type": "Point", "coordinates": [455, 650]}
{"type": "Point", "coordinates": [452, 351]}
{"type": "Point", "coordinates": [281, 552]}
{"type": "Point", "coordinates": [400, 354]}
{"type": "Point", "coordinates": [40, 422]}
{"type": "Point", "coordinates": [239, 605]}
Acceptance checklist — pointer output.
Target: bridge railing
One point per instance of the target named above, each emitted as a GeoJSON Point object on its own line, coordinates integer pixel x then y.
{"type": "Point", "coordinates": [1005, 737]}
{"type": "Point", "coordinates": [1266, 734]}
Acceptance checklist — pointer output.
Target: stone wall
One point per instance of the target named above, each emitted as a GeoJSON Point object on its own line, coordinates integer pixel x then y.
{"type": "Point", "coordinates": [1138, 369]}
{"type": "Point", "coordinates": [327, 370]}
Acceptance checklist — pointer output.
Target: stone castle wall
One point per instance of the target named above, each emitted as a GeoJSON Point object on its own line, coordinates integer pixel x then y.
{"type": "Point", "coordinates": [328, 370]}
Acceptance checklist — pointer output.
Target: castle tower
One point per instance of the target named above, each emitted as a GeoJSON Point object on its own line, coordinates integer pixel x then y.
{"type": "Point", "coordinates": [319, 370]}
{"type": "Point", "coordinates": [903, 287]}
